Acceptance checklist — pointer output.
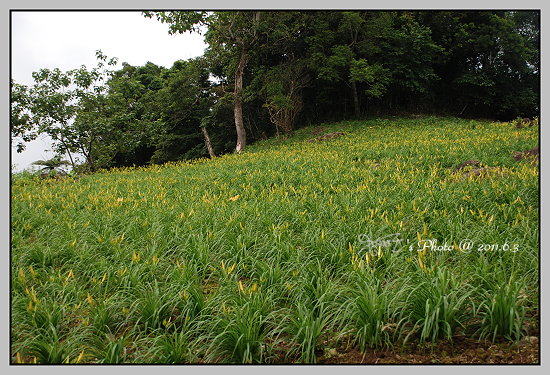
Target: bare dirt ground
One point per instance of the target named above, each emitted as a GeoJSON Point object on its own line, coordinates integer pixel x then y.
{"type": "Point", "coordinates": [463, 350]}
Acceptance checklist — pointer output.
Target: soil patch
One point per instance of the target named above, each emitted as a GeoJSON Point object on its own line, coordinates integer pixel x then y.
{"type": "Point", "coordinates": [462, 350]}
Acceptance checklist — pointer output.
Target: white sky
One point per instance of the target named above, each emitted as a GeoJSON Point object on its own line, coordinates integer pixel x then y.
{"type": "Point", "coordinates": [67, 40]}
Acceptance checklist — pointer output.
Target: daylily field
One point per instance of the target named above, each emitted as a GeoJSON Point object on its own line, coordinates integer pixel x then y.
{"type": "Point", "coordinates": [291, 252]}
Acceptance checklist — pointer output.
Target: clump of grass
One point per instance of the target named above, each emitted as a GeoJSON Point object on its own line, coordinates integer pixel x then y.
{"type": "Point", "coordinates": [104, 318]}
{"type": "Point", "coordinates": [47, 317]}
{"type": "Point", "coordinates": [239, 334]}
{"type": "Point", "coordinates": [110, 349]}
{"type": "Point", "coordinates": [437, 304]}
{"type": "Point", "coordinates": [314, 310]}
{"type": "Point", "coordinates": [153, 307]}
{"type": "Point", "coordinates": [305, 327]}
{"type": "Point", "coordinates": [47, 349]}
{"type": "Point", "coordinates": [369, 314]}
{"type": "Point", "coordinates": [173, 347]}
{"type": "Point", "coordinates": [502, 311]}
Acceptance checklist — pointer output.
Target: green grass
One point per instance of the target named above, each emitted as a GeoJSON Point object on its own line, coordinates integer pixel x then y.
{"type": "Point", "coordinates": [258, 257]}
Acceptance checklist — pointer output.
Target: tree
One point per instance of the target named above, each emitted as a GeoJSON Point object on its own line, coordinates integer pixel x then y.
{"type": "Point", "coordinates": [133, 113]}
{"type": "Point", "coordinates": [51, 109]}
{"type": "Point", "coordinates": [51, 165]}
{"type": "Point", "coordinates": [280, 68]}
{"type": "Point", "coordinates": [232, 34]}
{"type": "Point", "coordinates": [283, 84]}
{"type": "Point", "coordinates": [186, 101]}
{"type": "Point", "coordinates": [351, 26]}
{"type": "Point", "coordinates": [20, 124]}
{"type": "Point", "coordinates": [490, 64]}
{"type": "Point", "coordinates": [54, 106]}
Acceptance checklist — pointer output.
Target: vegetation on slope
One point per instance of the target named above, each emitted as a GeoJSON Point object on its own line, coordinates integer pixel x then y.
{"type": "Point", "coordinates": [263, 256]}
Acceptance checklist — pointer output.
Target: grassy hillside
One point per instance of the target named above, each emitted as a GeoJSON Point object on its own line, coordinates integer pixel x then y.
{"type": "Point", "coordinates": [271, 255]}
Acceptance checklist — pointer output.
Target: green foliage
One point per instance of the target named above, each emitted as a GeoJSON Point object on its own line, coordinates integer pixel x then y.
{"type": "Point", "coordinates": [296, 68]}
{"type": "Point", "coordinates": [110, 350]}
{"type": "Point", "coordinates": [502, 310]}
{"type": "Point", "coordinates": [437, 305]}
{"type": "Point", "coordinates": [375, 76]}
{"type": "Point", "coordinates": [257, 258]}
{"type": "Point", "coordinates": [51, 165]}
{"type": "Point", "coordinates": [369, 313]}
{"type": "Point", "coordinates": [173, 347]}
{"type": "Point", "coordinates": [240, 334]}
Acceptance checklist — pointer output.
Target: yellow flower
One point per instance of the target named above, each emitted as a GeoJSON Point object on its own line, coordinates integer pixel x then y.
{"type": "Point", "coordinates": [233, 199]}
{"type": "Point", "coordinates": [21, 275]}
{"type": "Point", "coordinates": [80, 357]}
{"type": "Point", "coordinates": [421, 264]}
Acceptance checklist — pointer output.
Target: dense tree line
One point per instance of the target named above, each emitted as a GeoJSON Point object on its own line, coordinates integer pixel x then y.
{"type": "Point", "coordinates": [269, 72]}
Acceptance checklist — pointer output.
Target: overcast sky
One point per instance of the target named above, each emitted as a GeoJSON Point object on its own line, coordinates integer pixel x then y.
{"type": "Point", "coordinates": [67, 40]}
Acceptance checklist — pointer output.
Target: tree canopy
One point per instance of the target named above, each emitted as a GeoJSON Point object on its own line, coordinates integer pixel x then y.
{"type": "Point", "coordinates": [267, 72]}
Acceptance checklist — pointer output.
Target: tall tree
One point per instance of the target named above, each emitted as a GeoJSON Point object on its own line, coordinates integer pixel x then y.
{"type": "Point", "coordinates": [185, 100]}
{"type": "Point", "coordinates": [232, 33]}
{"type": "Point", "coordinates": [52, 105]}
{"type": "Point", "coordinates": [490, 62]}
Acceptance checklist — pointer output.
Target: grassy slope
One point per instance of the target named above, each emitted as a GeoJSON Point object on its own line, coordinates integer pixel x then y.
{"type": "Point", "coordinates": [255, 257]}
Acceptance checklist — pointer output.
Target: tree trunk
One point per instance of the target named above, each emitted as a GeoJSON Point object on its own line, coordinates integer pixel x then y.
{"type": "Point", "coordinates": [68, 152]}
{"type": "Point", "coordinates": [355, 99]}
{"type": "Point", "coordinates": [238, 110]}
{"type": "Point", "coordinates": [208, 143]}
{"type": "Point", "coordinates": [90, 157]}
